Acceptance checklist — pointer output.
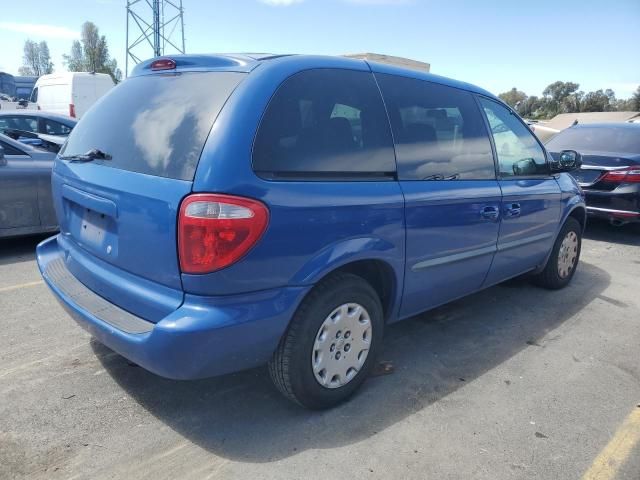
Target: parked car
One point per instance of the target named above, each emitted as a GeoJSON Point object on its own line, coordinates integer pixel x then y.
{"type": "Point", "coordinates": [70, 93]}
{"type": "Point", "coordinates": [37, 122]}
{"type": "Point", "coordinates": [26, 206]}
{"type": "Point", "coordinates": [610, 174]}
{"type": "Point", "coordinates": [222, 212]}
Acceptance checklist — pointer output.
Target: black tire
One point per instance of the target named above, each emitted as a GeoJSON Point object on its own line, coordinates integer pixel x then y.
{"type": "Point", "coordinates": [290, 367]}
{"type": "Point", "coordinates": [550, 277]}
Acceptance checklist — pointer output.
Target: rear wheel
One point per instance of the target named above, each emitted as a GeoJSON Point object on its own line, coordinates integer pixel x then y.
{"type": "Point", "coordinates": [331, 344]}
{"type": "Point", "coordinates": [563, 261]}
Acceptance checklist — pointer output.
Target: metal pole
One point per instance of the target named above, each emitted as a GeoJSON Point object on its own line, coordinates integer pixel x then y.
{"type": "Point", "coordinates": [156, 29]}
{"type": "Point", "coordinates": [126, 57]}
{"type": "Point", "coordinates": [182, 25]}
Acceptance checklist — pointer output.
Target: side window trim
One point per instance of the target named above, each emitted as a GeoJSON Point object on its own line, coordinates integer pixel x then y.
{"type": "Point", "coordinates": [396, 175]}
{"type": "Point", "coordinates": [487, 127]}
{"type": "Point", "coordinates": [499, 174]}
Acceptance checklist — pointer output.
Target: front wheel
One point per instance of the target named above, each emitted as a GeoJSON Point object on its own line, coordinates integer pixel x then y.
{"type": "Point", "coordinates": [331, 344]}
{"type": "Point", "coordinates": [564, 257]}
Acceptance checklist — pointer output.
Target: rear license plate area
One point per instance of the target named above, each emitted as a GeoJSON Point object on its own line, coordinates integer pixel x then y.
{"type": "Point", "coordinates": [94, 227]}
{"type": "Point", "coordinates": [94, 231]}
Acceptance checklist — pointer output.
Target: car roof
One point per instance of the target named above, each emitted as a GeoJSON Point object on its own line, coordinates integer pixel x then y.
{"type": "Point", "coordinates": [247, 62]}
{"type": "Point", "coordinates": [625, 125]}
{"type": "Point", "coordinates": [38, 113]}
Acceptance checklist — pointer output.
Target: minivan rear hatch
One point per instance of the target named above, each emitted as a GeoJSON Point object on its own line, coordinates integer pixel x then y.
{"type": "Point", "coordinates": [119, 180]}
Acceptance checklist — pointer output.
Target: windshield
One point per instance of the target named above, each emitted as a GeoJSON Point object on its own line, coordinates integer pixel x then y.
{"type": "Point", "coordinates": [597, 139]}
{"type": "Point", "coordinates": [154, 124]}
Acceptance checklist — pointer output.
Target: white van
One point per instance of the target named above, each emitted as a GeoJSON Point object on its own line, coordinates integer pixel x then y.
{"type": "Point", "coordinates": [70, 93]}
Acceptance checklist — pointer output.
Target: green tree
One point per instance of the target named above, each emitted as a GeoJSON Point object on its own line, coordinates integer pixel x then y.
{"type": "Point", "coordinates": [513, 97]}
{"type": "Point", "coordinates": [530, 107]}
{"type": "Point", "coordinates": [623, 105]}
{"type": "Point", "coordinates": [571, 103]}
{"type": "Point", "coordinates": [557, 97]}
{"type": "Point", "coordinates": [598, 101]}
{"type": "Point", "coordinates": [36, 59]}
{"type": "Point", "coordinates": [91, 54]}
{"type": "Point", "coordinates": [635, 100]}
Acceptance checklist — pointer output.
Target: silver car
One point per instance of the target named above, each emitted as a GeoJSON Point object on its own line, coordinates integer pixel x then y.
{"type": "Point", "coordinates": [25, 189]}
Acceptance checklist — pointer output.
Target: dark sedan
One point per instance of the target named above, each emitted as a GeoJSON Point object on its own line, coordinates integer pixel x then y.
{"type": "Point", "coordinates": [25, 189]}
{"type": "Point", "coordinates": [610, 172]}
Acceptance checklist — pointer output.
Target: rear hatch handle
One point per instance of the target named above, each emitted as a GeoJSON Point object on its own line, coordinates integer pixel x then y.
{"type": "Point", "coordinates": [92, 202]}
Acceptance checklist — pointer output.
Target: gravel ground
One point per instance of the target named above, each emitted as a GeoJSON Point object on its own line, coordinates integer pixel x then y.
{"type": "Point", "coordinates": [513, 382]}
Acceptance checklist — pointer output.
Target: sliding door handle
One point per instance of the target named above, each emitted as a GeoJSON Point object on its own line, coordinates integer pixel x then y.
{"type": "Point", "coordinates": [489, 212]}
{"type": "Point", "coordinates": [512, 210]}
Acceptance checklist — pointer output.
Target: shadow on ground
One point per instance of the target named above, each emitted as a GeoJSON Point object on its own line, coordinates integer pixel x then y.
{"type": "Point", "coordinates": [602, 231]}
{"type": "Point", "coordinates": [242, 417]}
{"type": "Point", "coordinates": [19, 249]}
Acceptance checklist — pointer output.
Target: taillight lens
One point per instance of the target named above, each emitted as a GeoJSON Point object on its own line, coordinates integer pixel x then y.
{"type": "Point", "coordinates": [72, 110]}
{"type": "Point", "coordinates": [163, 64]}
{"type": "Point", "coordinates": [625, 175]}
{"type": "Point", "coordinates": [215, 231]}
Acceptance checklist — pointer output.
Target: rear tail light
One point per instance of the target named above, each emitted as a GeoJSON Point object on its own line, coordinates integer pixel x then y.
{"type": "Point", "coordinates": [72, 110]}
{"type": "Point", "coordinates": [215, 231]}
{"type": "Point", "coordinates": [625, 175]}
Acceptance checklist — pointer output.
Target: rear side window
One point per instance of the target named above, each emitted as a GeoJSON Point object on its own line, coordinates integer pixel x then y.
{"type": "Point", "coordinates": [19, 122]}
{"type": "Point", "coordinates": [154, 124]}
{"type": "Point", "coordinates": [325, 123]}
{"type": "Point", "coordinates": [52, 127]}
{"type": "Point", "coordinates": [438, 130]}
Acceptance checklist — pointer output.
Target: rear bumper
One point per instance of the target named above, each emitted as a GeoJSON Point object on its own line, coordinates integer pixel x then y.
{"type": "Point", "coordinates": [621, 204]}
{"type": "Point", "coordinates": [204, 337]}
{"type": "Point", "coordinates": [612, 214]}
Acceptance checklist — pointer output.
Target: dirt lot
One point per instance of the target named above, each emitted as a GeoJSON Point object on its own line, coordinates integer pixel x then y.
{"type": "Point", "coordinates": [514, 382]}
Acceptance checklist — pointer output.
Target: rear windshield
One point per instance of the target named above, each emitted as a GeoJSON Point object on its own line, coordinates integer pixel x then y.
{"type": "Point", "coordinates": [597, 139]}
{"type": "Point", "coordinates": [154, 124]}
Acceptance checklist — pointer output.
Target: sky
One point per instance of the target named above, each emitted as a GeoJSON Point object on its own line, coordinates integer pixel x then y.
{"type": "Point", "coordinates": [495, 44]}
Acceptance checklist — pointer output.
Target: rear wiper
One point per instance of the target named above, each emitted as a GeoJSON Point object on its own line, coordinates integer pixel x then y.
{"type": "Point", "coordinates": [91, 155]}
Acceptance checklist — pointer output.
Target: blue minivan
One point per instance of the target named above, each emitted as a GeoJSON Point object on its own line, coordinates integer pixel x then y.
{"type": "Point", "coordinates": [221, 212]}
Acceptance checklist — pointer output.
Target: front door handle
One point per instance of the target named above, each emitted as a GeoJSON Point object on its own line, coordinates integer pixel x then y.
{"type": "Point", "coordinates": [512, 210]}
{"type": "Point", "coordinates": [489, 212]}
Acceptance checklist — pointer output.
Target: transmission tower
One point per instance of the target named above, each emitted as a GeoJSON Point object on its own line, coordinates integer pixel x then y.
{"type": "Point", "coordinates": [154, 28]}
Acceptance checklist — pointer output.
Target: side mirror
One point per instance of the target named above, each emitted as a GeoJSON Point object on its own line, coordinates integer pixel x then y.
{"type": "Point", "coordinates": [3, 160]}
{"type": "Point", "coordinates": [567, 161]}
